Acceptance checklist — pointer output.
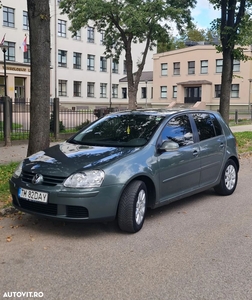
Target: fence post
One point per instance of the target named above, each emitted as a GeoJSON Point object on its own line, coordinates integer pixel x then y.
{"type": "Point", "coordinates": [56, 117]}
{"type": "Point", "coordinates": [236, 117]}
{"type": "Point", "coordinates": [7, 120]}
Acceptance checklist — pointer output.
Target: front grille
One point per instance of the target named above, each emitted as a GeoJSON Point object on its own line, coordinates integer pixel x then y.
{"type": "Point", "coordinates": [48, 209]}
{"type": "Point", "coordinates": [76, 211]}
{"type": "Point", "coordinates": [47, 180]}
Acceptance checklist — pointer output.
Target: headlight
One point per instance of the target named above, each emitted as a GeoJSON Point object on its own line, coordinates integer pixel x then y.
{"type": "Point", "coordinates": [85, 179]}
{"type": "Point", "coordinates": [18, 170]}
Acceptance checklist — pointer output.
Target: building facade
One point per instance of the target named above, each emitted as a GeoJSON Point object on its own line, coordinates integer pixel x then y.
{"type": "Point", "coordinates": [193, 74]}
{"type": "Point", "coordinates": [81, 76]}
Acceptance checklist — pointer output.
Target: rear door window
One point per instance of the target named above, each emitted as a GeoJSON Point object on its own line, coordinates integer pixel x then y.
{"type": "Point", "coordinates": [207, 125]}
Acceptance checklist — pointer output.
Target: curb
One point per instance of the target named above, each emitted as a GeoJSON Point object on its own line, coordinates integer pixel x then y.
{"type": "Point", "coordinates": [8, 211]}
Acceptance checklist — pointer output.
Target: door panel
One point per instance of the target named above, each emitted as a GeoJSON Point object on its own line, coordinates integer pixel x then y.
{"type": "Point", "coordinates": [179, 169]}
{"type": "Point", "coordinates": [212, 147]}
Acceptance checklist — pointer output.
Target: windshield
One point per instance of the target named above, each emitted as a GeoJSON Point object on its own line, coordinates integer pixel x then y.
{"type": "Point", "coordinates": [119, 130]}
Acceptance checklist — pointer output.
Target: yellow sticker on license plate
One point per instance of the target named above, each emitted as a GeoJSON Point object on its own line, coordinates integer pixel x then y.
{"type": "Point", "coordinates": [33, 195]}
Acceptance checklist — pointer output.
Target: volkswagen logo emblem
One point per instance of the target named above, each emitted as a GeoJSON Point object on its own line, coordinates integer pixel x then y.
{"type": "Point", "coordinates": [37, 179]}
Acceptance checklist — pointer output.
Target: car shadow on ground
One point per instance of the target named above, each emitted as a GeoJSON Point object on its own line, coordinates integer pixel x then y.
{"type": "Point", "coordinates": [46, 226]}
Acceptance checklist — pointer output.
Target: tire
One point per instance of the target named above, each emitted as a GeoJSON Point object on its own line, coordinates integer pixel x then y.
{"type": "Point", "coordinates": [229, 179]}
{"type": "Point", "coordinates": [132, 207]}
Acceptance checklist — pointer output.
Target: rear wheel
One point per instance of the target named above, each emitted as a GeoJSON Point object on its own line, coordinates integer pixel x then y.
{"type": "Point", "coordinates": [132, 207]}
{"type": "Point", "coordinates": [229, 179]}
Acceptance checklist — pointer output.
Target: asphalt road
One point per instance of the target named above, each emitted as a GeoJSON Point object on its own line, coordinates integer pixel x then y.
{"type": "Point", "coordinates": [195, 249]}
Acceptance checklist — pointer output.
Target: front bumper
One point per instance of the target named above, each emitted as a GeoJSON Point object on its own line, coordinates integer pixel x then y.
{"type": "Point", "coordinates": [68, 204]}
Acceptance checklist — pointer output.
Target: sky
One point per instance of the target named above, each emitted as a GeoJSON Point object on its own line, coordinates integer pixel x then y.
{"type": "Point", "coordinates": [203, 14]}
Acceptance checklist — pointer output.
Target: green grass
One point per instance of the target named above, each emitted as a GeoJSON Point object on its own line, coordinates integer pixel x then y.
{"type": "Point", "coordinates": [244, 142]}
{"type": "Point", "coordinates": [6, 172]}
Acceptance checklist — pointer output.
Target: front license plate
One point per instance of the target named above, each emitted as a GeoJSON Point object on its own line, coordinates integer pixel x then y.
{"type": "Point", "coordinates": [33, 195]}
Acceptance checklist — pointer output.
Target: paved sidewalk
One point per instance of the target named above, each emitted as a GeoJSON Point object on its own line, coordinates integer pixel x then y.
{"type": "Point", "coordinates": [18, 152]}
{"type": "Point", "coordinates": [15, 152]}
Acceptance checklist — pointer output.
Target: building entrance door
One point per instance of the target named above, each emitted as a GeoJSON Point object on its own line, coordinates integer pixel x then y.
{"type": "Point", "coordinates": [192, 94]}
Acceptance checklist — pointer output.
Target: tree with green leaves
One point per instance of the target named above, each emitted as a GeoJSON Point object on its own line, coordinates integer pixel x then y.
{"type": "Point", "coordinates": [190, 35]}
{"type": "Point", "coordinates": [235, 32]}
{"type": "Point", "coordinates": [39, 36]}
{"type": "Point", "coordinates": [129, 21]}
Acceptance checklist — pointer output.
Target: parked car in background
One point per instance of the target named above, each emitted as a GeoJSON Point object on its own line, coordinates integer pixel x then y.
{"type": "Point", "coordinates": [126, 162]}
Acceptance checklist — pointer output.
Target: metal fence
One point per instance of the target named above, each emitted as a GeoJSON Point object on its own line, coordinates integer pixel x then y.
{"type": "Point", "coordinates": [70, 120]}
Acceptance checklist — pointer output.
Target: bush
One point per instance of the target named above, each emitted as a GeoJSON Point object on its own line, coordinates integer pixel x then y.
{"type": "Point", "coordinates": [61, 126]}
{"type": "Point", "coordinates": [79, 127]}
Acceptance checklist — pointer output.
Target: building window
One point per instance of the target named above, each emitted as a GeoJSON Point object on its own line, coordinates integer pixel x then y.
{"type": "Point", "coordinates": [163, 91]}
{"type": "Point", "coordinates": [25, 20]}
{"type": "Point", "coordinates": [90, 62]}
{"type": "Point", "coordinates": [8, 17]}
{"type": "Point", "coordinates": [204, 67]}
{"type": "Point", "coordinates": [62, 58]}
{"type": "Point", "coordinates": [76, 60]}
{"type": "Point", "coordinates": [27, 55]}
{"type": "Point", "coordinates": [234, 91]}
{"type": "Point", "coordinates": [62, 87]}
{"type": "Point", "coordinates": [124, 67]}
{"type": "Point", "coordinates": [90, 34]}
{"type": "Point", "coordinates": [219, 63]}
{"type": "Point", "coordinates": [102, 36]}
{"type": "Point", "coordinates": [217, 90]}
{"type": "Point", "coordinates": [114, 90]}
{"type": "Point", "coordinates": [103, 64]}
{"type": "Point", "coordinates": [77, 36]}
{"type": "Point", "coordinates": [62, 28]}
{"type": "Point", "coordinates": [176, 68]}
{"type": "Point", "coordinates": [115, 66]}
{"type": "Point", "coordinates": [90, 89]}
{"type": "Point", "coordinates": [103, 90]}
{"type": "Point", "coordinates": [174, 91]}
{"type": "Point", "coordinates": [191, 67]}
{"type": "Point", "coordinates": [164, 69]}
{"type": "Point", "coordinates": [124, 93]}
{"type": "Point", "coordinates": [144, 92]}
{"type": "Point", "coordinates": [10, 53]}
{"type": "Point", "coordinates": [236, 66]}
{"type": "Point", "coordinates": [77, 88]}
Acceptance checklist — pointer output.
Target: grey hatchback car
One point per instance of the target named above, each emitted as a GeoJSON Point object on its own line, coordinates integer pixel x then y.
{"type": "Point", "coordinates": [126, 162]}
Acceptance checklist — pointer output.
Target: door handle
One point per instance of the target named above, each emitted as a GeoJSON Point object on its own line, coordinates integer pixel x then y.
{"type": "Point", "coordinates": [195, 152]}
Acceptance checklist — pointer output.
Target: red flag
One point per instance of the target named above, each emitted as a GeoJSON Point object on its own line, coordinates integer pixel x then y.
{"type": "Point", "coordinates": [3, 39]}
{"type": "Point", "coordinates": [24, 45]}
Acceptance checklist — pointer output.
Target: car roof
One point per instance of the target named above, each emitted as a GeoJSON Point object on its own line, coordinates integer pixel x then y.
{"type": "Point", "coordinates": [161, 111]}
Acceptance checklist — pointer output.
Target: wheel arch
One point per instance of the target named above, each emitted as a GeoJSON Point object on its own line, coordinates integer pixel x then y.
{"type": "Point", "coordinates": [150, 186]}
{"type": "Point", "coordinates": [236, 161]}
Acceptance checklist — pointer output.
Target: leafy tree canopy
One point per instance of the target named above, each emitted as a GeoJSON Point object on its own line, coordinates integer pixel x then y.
{"type": "Point", "coordinates": [129, 21]}
{"type": "Point", "coordinates": [234, 26]}
{"type": "Point", "coordinates": [134, 20]}
{"type": "Point", "coordinates": [188, 38]}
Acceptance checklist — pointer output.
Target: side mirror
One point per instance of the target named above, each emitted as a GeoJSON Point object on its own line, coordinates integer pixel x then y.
{"type": "Point", "coordinates": [169, 146]}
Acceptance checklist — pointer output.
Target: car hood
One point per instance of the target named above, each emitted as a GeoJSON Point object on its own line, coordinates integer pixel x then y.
{"type": "Point", "coordinates": [66, 158]}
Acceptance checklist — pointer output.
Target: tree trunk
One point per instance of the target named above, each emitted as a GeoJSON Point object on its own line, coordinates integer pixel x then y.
{"type": "Point", "coordinates": [39, 37]}
{"type": "Point", "coordinates": [226, 81]}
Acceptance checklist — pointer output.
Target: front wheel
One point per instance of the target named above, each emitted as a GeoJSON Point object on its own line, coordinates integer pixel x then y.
{"type": "Point", "coordinates": [229, 179]}
{"type": "Point", "coordinates": [132, 207]}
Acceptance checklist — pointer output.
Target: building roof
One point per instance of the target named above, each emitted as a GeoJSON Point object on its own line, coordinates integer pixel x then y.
{"type": "Point", "coordinates": [146, 76]}
{"type": "Point", "coordinates": [195, 82]}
